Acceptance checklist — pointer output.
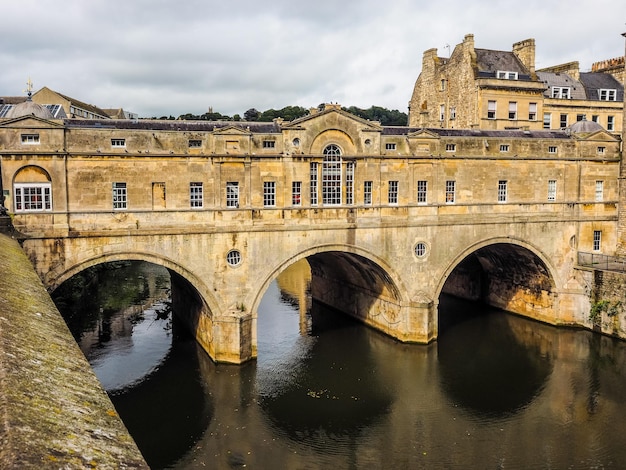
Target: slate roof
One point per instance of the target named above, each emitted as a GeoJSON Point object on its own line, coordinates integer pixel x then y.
{"type": "Point", "coordinates": [594, 81]}
{"type": "Point", "coordinates": [558, 79]}
{"type": "Point", "coordinates": [489, 62]}
{"type": "Point", "coordinates": [511, 134]}
{"type": "Point", "coordinates": [174, 125]}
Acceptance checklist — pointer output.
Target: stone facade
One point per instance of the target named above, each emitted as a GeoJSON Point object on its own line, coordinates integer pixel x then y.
{"type": "Point", "coordinates": [384, 215]}
{"type": "Point", "coordinates": [491, 89]}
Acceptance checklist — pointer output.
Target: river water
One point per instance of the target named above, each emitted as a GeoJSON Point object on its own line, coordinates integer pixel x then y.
{"type": "Point", "coordinates": [494, 392]}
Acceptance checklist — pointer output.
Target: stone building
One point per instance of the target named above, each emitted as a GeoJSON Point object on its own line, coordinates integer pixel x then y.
{"type": "Point", "coordinates": [490, 89]}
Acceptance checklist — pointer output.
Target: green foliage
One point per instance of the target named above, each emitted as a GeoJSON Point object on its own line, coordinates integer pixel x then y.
{"type": "Point", "coordinates": [603, 306]}
{"type": "Point", "coordinates": [385, 116]}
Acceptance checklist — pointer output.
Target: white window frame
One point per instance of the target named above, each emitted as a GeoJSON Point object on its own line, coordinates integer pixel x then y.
{"type": "Point", "coordinates": [332, 176]}
{"type": "Point", "coordinates": [610, 123]}
{"type": "Point", "coordinates": [532, 111]}
{"type": "Point", "coordinates": [450, 191]}
{"type": "Point", "coordinates": [196, 195]}
{"type": "Point", "coordinates": [392, 193]}
{"type": "Point", "coordinates": [563, 120]}
{"type": "Point", "coordinates": [450, 147]}
{"type": "Point", "coordinates": [452, 113]}
{"type": "Point", "coordinates": [367, 193]}
{"type": "Point", "coordinates": [442, 112]}
{"type": "Point", "coordinates": [30, 139]}
{"type": "Point", "coordinates": [502, 190]}
{"type": "Point", "coordinates": [597, 240]}
{"type": "Point", "coordinates": [553, 149]}
{"type": "Point", "coordinates": [562, 92]}
{"type": "Point", "coordinates": [296, 193]}
{"type": "Point", "coordinates": [232, 194]}
{"type": "Point", "coordinates": [350, 183]}
{"type": "Point", "coordinates": [551, 190]}
{"type": "Point", "coordinates": [391, 146]}
{"type": "Point", "coordinates": [33, 197]}
{"type": "Point", "coordinates": [491, 109]}
{"type": "Point", "coordinates": [601, 150]}
{"type": "Point", "coordinates": [314, 182]}
{"type": "Point", "coordinates": [512, 110]}
{"type": "Point", "coordinates": [269, 144]}
{"type": "Point", "coordinates": [547, 120]}
{"type": "Point", "coordinates": [118, 143]}
{"type": "Point", "coordinates": [120, 196]}
{"type": "Point", "coordinates": [269, 193]}
{"type": "Point", "coordinates": [422, 192]}
{"type": "Point", "coordinates": [607, 94]}
{"type": "Point", "coordinates": [599, 191]}
{"type": "Point", "coordinates": [507, 75]}
{"type": "Point", "coordinates": [504, 148]}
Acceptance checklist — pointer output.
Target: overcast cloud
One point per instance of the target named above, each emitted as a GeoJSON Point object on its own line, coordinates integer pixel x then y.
{"type": "Point", "coordinates": [157, 57]}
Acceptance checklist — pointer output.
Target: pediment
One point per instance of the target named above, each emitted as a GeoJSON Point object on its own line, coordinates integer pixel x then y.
{"type": "Point", "coordinates": [334, 117]}
{"type": "Point", "coordinates": [231, 130]}
{"type": "Point", "coordinates": [423, 134]}
{"type": "Point", "coordinates": [598, 136]}
{"type": "Point", "coordinates": [30, 122]}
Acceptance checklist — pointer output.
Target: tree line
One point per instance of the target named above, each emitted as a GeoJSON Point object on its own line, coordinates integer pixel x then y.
{"type": "Point", "coordinates": [386, 117]}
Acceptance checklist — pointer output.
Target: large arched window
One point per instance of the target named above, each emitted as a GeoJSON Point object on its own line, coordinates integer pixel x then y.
{"type": "Point", "coordinates": [331, 175]}
{"type": "Point", "coordinates": [32, 190]}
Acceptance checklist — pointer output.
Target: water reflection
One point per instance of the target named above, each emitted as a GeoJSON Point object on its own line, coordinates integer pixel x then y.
{"type": "Point", "coordinates": [496, 391]}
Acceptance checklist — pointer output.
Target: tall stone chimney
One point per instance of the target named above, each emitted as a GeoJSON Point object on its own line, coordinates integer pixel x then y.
{"type": "Point", "coordinates": [525, 52]}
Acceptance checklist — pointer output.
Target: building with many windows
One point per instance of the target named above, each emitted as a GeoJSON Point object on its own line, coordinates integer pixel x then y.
{"type": "Point", "coordinates": [492, 89]}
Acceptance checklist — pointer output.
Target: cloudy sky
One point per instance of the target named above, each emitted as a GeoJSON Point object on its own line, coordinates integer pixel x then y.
{"type": "Point", "coordinates": [158, 57]}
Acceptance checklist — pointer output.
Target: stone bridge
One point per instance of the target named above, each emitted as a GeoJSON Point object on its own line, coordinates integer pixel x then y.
{"type": "Point", "coordinates": [387, 218]}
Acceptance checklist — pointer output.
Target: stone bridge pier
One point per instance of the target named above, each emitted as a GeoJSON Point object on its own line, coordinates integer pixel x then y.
{"type": "Point", "coordinates": [390, 278]}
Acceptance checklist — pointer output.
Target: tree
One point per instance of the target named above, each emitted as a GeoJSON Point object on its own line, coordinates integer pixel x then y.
{"type": "Point", "coordinates": [251, 115]}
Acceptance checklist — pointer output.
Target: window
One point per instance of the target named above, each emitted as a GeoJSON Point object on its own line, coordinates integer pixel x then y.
{"type": "Point", "coordinates": [367, 193]}
{"type": "Point", "coordinates": [196, 195]}
{"type": "Point", "coordinates": [580, 117]}
{"type": "Point", "coordinates": [233, 257]}
{"type": "Point", "coordinates": [599, 194]}
{"type": "Point", "coordinates": [269, 193]}
{"type": "Point", "coordinates": [118, 142]}
{"type": "Point", "coordinates": [350, 183]}
{"type": "Point", "coordinates": [422, 192]}
{"type": "Point", "coordinates": [420, 250]}
{"type": "Point", "coordinates": [597, 240]}
{"type": "Point", "coordinates": [33, 197]}
{"type": "Point", "coordinates": [452, 113]}
{"type": "Point", "coordinates": [532, 111]}
{"type": "Point", "coordinates": [30, 139]}
{"type": "Point", "coordinates": [607, 94]}
{"type": "Point", "coordinates": [442, 112]}
{"type": "Point", "coordinates": [551, 190]}
{"type": "Point", "coordinates": [296, 142]}
{"type": "Point", "coordinates": [450, 147]}
{"type": "Point", "coordinates": [331, 176]}
{"type": "Point", "coordinates": [552, 149]}
{"type": "Point", "coordinates": [195, 143]}
{"type": "Point", "coordinates": [502, 190]}
{"type": "Point", "coordinates": [507, 75]}
{"type": "Point", "coordinates": [512, 110]}
{"type": "Point", "coordinates": [601, 150]}
{"type": "Point", "coordinates": [450, 191]}
{"type": "Point", "coordinates": [313, 181]}
{"type": "Point", "coordinates": [563, 121]}
{"type": "Point", "coordinates": [595, 118]}
{"type": "Point", "coordinates": [392, 194]}
{"type": "Point", "coordinates": [547, 120]}
{"type": "Point", "coordinates": [269, 144]}
{"type": "Point", "coordinates": [296, 193]}
{"type": "Point", "coordinates": [390, 146]}
{"type": "Point", "coordinates": [491, 109]}
{"type": "Point", "coordinates": [610, 123]}
{"type": "Point", "coordinates": [232, 194]}
{"type": "Point", "coordinates": [561, 92]}
{"type": "Point", "coordinates": [443, 84]}
{"type": "Point", "coordinates": [120, 199]}
{"type": "Point", "coordinates": [505, 147]}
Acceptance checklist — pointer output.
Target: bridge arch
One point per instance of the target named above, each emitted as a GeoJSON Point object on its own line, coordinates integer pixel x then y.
{"type": "Point", "coordinates": [352, 280]}
{"type": "Point", "coordinates": [507, 273]}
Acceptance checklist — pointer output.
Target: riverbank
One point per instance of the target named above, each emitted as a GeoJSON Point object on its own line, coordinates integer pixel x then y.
{"type": "Point", "coordinates": [53, 411]}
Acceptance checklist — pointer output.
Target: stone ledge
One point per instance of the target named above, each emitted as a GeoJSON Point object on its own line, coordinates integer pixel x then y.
{"type": "Point", "coordinates": [53, 411]}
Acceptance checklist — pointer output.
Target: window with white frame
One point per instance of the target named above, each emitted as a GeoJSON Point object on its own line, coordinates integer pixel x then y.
{"type": "Point", "coordinates": [196, 195]}
{"type": "Point", "coordinates": [313, 181]}
{"type": "Point", "coordinates": [561, 92]}
{"type": "Point", "coordinates": [502, 190]}
{"type": "Point", "coordinates": [491, 109]}
{"type": "Point", "coordinates": [450, 191]}
{"type": "Point", "coordinates": [30, 139]}
{"type": "Point", "coordinates": [452, 113]}
{"type": "Point", "coordinates": [350, 183]}
{"type": "Point", "coordinates": [505, 148]}
{"type": "Point", "coordinates": [422, 192]}
{"type": "Point", "coordinates": [392, 195]}
{"type": "Point", "coordinates": [120, 196]}
{"type": "Point", "coordinates": [442, 112]}
{"type": "Point", "coordinates": [33, 197]}
{"type": "Point", "coordinates": [595, 118]}
{"type": "Point", "coordinates": [269, 144]}
{"type": "Point", "coordinates": [610, 123]}
{"type": "Point", "coordinates": [532, 111]}
{"type": "Point", "coordinates": [597, 240]}
{"type": "Point", "coordinates": [563, 121]}
{"type": "Point", "coordinates": [506, 75]}
{"type": "Point", "coordinates": [599, 193]}
{"type": "Point", "coordinates": [296, 193]}
{"type": "Point", "coordinates": [331, 176]}
{"type": "Point", "coordinates": [232, 194]}
{"type": "Point", "coordinates": [601, 150]}
{"type": "Point", "coordinates": [607, 94]}
{"type": "Point", "coordinates": [547, 120]}
{"type": "Point", "coordinates": [269, 193]}
{"type": "Point", "coordinates": [450, 147]}
{"type": "Point", "coordinates": [551, 190]}
{"type": "Point", "coordinates": [367, 193]}
{"type": "Point", "coordinates": [552, 149]}
{"type": "Point", "coordinates": [390, 146]}
{"type": "Point", "coordinates": [581, 117]}
{"type": "Point", "coordinates": [118, 143]}
{"type": "Point", "coordinates": [512, 110]}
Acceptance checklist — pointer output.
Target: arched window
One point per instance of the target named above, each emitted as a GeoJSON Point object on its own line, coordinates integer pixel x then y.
{"type": "Point", "coordinates": [331, 175]}
{"type": "Point", "coordinates": [32, 190]}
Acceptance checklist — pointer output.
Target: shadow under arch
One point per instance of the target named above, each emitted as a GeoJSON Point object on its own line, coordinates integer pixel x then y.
{"type": "Point", "coordinates": [494, 368]}
{"type": "Point", "coordinates": [351, 280]}
{"type": "Point", "coordinates": [506, 273]}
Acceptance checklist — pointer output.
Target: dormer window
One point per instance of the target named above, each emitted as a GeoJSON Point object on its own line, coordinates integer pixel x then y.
{"type": "Point", "coordinates": [506, 75]}
{"type": "Point", "coordinates": [564, 92]}
{"type": "Point", "coordinates": [607, 94]}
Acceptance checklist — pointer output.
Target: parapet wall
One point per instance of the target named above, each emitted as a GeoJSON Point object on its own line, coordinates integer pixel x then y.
{"type": "Point", "coordinates": [53, 411]}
